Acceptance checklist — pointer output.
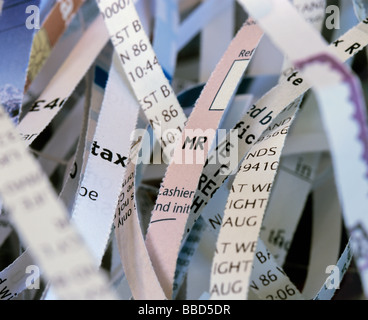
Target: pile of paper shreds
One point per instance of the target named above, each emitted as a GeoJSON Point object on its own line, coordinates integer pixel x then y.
{"type": "Point", "coordinates": [183, 149]}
